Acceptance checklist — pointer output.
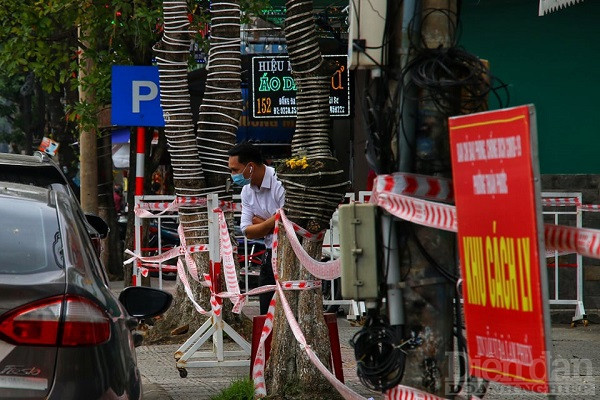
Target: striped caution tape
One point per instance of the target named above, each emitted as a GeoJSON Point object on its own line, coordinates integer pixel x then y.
{"type": "Point", "coordinates": [583, 241]}
{"type": "Point", "coordinates": [167, 255]}
{"type": "Point", "coordinates": [258, 368]}
{"type": "Point", "coordinates": [143, 208]}
{"type": "Point", "coordinates": [323, 270]}
{"type": "Point", "coordinates": [560, 201]}
{"type": "Point", "coordinates": [569, 202]}
{"type": "Point", "coordinates": [590, 207]}
{"type": "Point", "coordinates": [428, 187]}
{"type": "Point", "coordinates": [565, 239]}
{"type": "Point", "coordinates": [226, 250]}
{"type": "Point", "coordinates": [189, 260]}
{"type": "Point", "coordinates": [422, 212]}
{"type": "Point", "coordinates": [400, 392]}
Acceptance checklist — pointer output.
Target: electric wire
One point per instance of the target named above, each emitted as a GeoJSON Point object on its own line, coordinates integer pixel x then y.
{"type": "Point", "coordinates": [380, 359]}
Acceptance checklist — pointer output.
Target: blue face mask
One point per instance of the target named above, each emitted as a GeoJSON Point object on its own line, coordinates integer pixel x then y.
{"type": "Point", "coordinates": [238, 179]}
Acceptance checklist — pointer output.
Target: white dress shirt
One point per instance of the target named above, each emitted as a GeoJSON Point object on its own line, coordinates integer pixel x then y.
{"type": "Point", "coordinates": [262, 201]}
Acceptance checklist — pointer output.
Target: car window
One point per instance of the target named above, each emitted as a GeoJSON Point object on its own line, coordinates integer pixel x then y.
{"type": "Point", "coordinates": [30, 239]}
{"type": "Point", "coordinates": [80, 250]}
{"type": "Point", "coordinates": [37, 176]}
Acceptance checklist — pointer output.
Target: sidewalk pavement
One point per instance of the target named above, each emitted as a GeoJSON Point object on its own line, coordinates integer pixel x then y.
{"type": "Point", "coordinates": [162, 380]}
{"type": "Point", "coordinates": [576, 354]}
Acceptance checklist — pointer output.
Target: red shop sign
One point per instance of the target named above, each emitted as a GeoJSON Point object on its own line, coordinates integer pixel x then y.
{"type": "Point", "coordinates": [500, 234]}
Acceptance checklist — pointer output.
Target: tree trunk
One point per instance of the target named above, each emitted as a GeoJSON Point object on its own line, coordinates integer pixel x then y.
{"type": "Point", "coordinates": [199, 167]}
{"type": "Point", "coordinates": [88, 156]}
{"type": "Point", "coordinates": [27, 115]}
{"type": "Point", "coordinates": [312, 195]}
{"type": "Point", "coordinates": [188, 176]}
{"type": "Point", "coordinates": [63, 132]}
{"type": "Point", "coordinates": [221, 109]}
{"type": "Point", "coordinates": [112, 254]}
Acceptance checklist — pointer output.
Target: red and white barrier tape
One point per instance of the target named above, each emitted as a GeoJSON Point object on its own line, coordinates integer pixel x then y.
{"type": "Point", "coordinates": [570, 239]}
{"type": "Point", "coordinates": [590, 207]}
{"type": "Point", "coordinates": [429, 187]}
{"type": "Point", "coordinates": [226, 250]}
{"type": "Point", "coordinates": [189, 260]}
{"type": "Point", "coordinates": [143, 209]}
{"type": "Point", "coordinates": [401, 392]}
{"type": "Point", "coordinates": [561, 201]}
{"type": "Point", "coordinates": [565, 239]}
{"type": "Point", "coordinates": [422, 212]}
{"type": "Point", "coordinates": [322, 270]}
{"type": "Point", "coordinates": [260, 359]}
{"type": "Point", "coordinates": [569, 202]}
{"type": "Point", "coordinates": [167, 255]}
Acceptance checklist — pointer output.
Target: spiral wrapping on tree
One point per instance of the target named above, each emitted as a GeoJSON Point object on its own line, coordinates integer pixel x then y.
{"type": "Point", "coordinates": [200, 163]}
{"type": "Point", "coordinates": [313, 194]}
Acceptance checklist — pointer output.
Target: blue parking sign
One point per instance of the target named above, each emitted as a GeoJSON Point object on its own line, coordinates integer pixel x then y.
{"type": "Point", "coordinates": [136, 96]}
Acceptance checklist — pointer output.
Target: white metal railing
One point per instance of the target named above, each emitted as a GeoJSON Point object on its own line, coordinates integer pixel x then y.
{"type": "Point", "coordinates": [330, 247]}
{"type": "Point", "coordinates": [566, 214]}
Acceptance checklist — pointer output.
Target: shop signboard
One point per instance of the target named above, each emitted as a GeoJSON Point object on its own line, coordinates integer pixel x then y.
{"type": "Point", "coordinates": [274, 88]}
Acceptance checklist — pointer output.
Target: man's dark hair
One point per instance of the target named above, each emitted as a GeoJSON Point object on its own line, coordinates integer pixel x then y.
{"type": "Point", "coordinates": [246, 153]}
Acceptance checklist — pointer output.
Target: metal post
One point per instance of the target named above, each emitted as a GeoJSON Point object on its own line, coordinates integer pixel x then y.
{"type": "Point", "coordinates": [246, 262]}
{"type": "Point", "coordinates": [139, 191]}
{"type": "Point", "coordinates": [391, 265]}
{"type": "Point", "coordinates": [215, 269]}
{"type": "Point", "coordinates": [160, 265]}
{"type": "Point", "coordinates": [137, 244]}
{"type": "Point", "coordinates": [408, 106]}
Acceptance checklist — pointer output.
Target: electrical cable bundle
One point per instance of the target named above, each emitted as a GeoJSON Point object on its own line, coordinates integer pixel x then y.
{"type": "Point", "coordinates": [456, 81]}
{"type": "Point", "coordinates": [379, 357]}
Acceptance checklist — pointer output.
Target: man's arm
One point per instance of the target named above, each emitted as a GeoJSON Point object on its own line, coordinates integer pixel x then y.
{"type": "Point", "coordinates": [246, 219]}
{"type": "Point", "coordinates": [260, 229]}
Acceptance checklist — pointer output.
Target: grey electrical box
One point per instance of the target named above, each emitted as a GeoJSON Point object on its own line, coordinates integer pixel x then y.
{"type": "Point", "coordinates": [359, 233]}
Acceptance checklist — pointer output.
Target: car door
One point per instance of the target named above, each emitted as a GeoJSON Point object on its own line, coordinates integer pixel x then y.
{"type": "Point", "coordinates": [32, 278]}
{"type": "Point", "coordinates": [111, 366]}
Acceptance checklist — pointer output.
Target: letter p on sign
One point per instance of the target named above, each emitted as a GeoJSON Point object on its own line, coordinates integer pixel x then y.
{"type": "Point", "coordinates": [136, 96]}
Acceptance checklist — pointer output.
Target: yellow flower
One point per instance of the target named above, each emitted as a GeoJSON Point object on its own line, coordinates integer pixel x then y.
{"type": "Point", "coordinates": [297, 163]}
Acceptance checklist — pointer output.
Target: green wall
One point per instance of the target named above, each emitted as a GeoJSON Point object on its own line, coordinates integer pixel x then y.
{"type": "Point", "coordinates": [550, 61]}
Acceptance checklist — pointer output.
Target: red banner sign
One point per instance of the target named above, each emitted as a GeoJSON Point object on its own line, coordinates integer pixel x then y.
{"type": "Point", "coordinates": [496, 186]}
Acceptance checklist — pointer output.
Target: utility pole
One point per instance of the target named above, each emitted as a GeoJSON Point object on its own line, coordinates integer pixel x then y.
{"type": "Point", "coordinates": [426, 254]}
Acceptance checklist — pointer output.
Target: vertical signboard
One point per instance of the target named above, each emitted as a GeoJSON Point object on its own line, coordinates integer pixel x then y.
{"type": "Point", "coordinates": [274, 88]}
{"type": "Point", "coordinates": [500, 235]}
{"type": "Point", "coordinates": [136, 96]}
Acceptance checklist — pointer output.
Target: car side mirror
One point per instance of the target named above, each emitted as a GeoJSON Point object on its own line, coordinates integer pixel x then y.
{"type": "Point", "coordinates": [144, 302]}
{"type": "Point", "coordinates": [98, 224]}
